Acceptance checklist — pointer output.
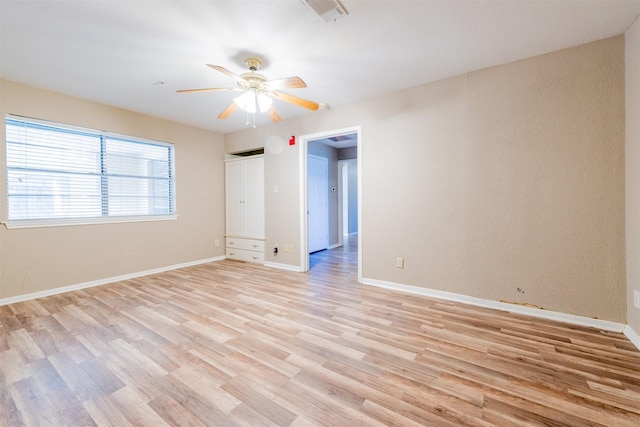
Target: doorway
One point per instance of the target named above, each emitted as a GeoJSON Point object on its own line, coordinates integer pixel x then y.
{"type": "Point", "coordinates": [337, 147]}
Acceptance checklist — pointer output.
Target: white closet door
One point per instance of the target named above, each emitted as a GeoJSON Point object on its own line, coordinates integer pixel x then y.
{"type": "Point", "coordinates": [235, 195]}
{"type": "Point", "coordinates": [254, 200]}
{"type": "Point", "coordinates": [318, 202]}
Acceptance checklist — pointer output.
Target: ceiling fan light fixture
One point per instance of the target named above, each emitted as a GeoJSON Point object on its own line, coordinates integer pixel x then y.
{"type": "Point", "coordinates": [258, 93]}
{"type": "Point", "coordinates": [252, 102]}
{"type": "Point", "coordinates": [264, 102]}
{"type": "Point", "coordinates": [247, 102]}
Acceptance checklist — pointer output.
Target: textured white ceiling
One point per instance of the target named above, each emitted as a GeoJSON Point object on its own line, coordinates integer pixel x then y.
{"type": "Point", "coordinates": [115, 51]}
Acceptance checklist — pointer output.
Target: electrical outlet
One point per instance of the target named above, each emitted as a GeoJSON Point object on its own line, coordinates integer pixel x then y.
{"type": "Point", "coordinates": [400, 262]}
{"type": "Point", "coordinates": [217, 242]}
{"type": "Point", "coordinates": [636, 299]}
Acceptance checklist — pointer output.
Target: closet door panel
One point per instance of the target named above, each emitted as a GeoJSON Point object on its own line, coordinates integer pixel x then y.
{"type": "Point", "coordinates": [235, 195]}
{"type": "Point", "coordinates": [254, 200]}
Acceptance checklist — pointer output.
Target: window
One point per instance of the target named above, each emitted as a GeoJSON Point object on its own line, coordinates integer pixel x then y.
{"type": "Point", "coordinates": [60, 174]}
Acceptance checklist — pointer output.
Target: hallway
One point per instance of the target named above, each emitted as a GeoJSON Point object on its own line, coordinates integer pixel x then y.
{"type": "Point", "coordinates": [342, 260]}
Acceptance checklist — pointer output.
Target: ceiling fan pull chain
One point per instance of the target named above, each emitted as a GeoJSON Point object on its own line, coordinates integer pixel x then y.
{"type": "Point", "coordinates": [251, 122]}
{"type": "Point", "coordinates": [256, 105]}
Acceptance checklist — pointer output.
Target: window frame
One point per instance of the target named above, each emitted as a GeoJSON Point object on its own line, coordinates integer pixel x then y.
{"type": "Point", "coordinates": [91, 220]}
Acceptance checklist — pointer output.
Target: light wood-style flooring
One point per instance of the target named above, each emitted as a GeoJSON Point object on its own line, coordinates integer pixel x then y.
{"type": "Point", "coordinates": [229, 343]}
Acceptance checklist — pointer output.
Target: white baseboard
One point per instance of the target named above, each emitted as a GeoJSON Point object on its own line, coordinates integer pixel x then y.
{"type": "Point", "coordinates": [503, 306]}
{"type": "Point", "coordinates": [632, 335]}
{"type": "Point", "coordinates": [287, 267]}
{"type": "Point", "coordinates": [63, 289]}
{"type": "Point", "coordinates": [337, 245]}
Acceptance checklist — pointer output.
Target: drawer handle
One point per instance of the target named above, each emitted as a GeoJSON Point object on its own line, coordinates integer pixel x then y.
{"type": "Point", "coordinates": [231, 253]}
{"type": "Point", "coordinates": [232, 243]}
{"type": "Point", "coordinates": [255, 246]}
{"type": "Point", "coordinates": [255, 257]}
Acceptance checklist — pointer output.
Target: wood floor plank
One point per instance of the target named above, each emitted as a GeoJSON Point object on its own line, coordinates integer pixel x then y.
{"type": "Point", "coordinates": [386, 416]}
{"type": "Point", "coordinates": [174, 413]}
{"type": "Point", "coordinates": [135, 408]}
{"type": "Point", "coordinates": [246, 391]}
{"type": "Point", "coordinates": [12, 367]}
{"type": "Point", "coordinates": [105, 412]}
{"type": "Point", "coordinates": [66, 375]}
{"type": "Point", "coordinates": [206, 407]}
{"type": "Point", "coordinates": [9, 413]}
{"type": "Point", "coordinates": [238, 344]}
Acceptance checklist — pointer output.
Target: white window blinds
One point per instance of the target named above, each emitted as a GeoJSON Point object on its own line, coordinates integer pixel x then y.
{"type": "Point", "coordinates": [61, 172]}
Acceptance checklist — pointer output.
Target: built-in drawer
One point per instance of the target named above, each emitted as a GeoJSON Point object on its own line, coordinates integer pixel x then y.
{"type": "Point", "coordinates": [244, 255]}
{"type": "Point", "coordinates": [246, 244]}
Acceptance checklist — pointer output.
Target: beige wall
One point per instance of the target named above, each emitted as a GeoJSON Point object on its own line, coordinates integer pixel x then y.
{"type": "Point", "coordinates": [40, 259]}
{"type": "Point", "coordinates": [505, 178]}
{"type": "Point", "coordinates": [632, 157]}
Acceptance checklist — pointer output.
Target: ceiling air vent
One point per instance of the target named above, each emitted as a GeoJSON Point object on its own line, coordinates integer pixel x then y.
{"type": "Point", "coordinates": [329, 10]}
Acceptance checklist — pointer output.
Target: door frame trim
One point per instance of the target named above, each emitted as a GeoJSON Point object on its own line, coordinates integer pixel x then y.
{"type": "Point", "coordinates": [302, 162]}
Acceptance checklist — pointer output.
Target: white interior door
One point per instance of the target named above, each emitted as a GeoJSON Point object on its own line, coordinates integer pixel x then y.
{"type": "Point", "coordinates": [318, 202]}
{"type": "Point", "coordinates": [254, 197]}
{"type": "Point", "coordinates": [235, 195]}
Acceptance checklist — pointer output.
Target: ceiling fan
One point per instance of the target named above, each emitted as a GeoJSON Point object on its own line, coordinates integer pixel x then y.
{"type": "Point", "coordinates": [258, 91]}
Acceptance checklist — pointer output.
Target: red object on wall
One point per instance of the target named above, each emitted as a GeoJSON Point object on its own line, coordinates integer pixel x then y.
{"type": "Point", "coordinates": [292, 140]}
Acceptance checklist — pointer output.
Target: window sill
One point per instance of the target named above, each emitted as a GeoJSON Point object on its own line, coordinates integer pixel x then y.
{"type": "Point", "coordinates": [84, 221]}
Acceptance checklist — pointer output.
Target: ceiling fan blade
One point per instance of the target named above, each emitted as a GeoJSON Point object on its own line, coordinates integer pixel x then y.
{"type": "Point", "coordinates": [207, 89]}
{"type": "Point", "coordinates": [273, 115]}
{"type": "Point", "coordinates": [296, 100]}
{"type": "Point", "coordinates": [286, 83]}
{"type": "Point", "coordinates": [227, 72]}
{"type": "Point", "coordinates": [228, 111]}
